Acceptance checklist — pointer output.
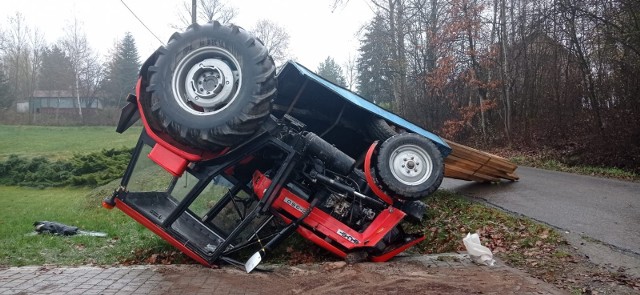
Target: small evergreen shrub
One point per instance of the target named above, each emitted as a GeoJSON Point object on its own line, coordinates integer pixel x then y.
{"type": "Point", "coordinates": [93, 169]}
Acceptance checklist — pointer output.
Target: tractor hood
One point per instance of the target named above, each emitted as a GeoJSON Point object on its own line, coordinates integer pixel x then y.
{"type": "Point", "coordinates": [301, 90]}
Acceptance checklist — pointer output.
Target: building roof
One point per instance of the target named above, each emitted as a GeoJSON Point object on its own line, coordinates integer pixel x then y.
{"type": "Point", "coordinates": [52, 93]}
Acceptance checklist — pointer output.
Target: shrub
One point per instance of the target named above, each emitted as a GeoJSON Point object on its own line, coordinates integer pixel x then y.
{"type": "Point", "coordinates": [91, 169]}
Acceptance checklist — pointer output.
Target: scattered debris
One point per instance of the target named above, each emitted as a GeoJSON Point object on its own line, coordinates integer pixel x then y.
{"type": "Point", "coordinates": [56, 228]}
{"type": "Point", "coordinates": [333, 265]}
{"type": "Point", "coordinates": [479, 254]}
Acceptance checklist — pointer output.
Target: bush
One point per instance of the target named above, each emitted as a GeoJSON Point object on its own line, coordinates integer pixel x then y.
{"type": "Point", "coordinates": [91, 169]}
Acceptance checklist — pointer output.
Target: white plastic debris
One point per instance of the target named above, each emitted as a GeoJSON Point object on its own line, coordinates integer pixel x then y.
{"type": "Point", "coordinates": [478, 253]}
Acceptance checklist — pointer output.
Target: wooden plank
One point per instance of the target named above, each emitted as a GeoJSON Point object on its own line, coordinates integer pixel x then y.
{"type": "Point", "coordinates": [453, 160]}
{"type": "Point", "coordinates": [450, 173]}
{"type": "Point", "coordinates": [473, 174]}
{"type": "Point", "coordinates": [476, 174]}
{"type": "Point", "coordinates": [473, 166]}
{"type": "Point", "coordinates": [514, 176]}
{"type": "Point", "coordinates": [493, 162]}
{"type": "Point", "coordinates": [480, 156]}
{"type": "Point", "coordinates": [484, 160]}
{"type": "Point", "coordinates": [479, 152]}
{"type": "Point", "coordinates": [467, 163]}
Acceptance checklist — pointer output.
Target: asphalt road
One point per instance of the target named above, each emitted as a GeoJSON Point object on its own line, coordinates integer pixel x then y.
{"type": "Point", "coordinates": [604, 209]}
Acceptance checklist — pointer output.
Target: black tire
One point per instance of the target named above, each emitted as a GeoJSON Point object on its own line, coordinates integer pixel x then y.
{"type": "Point", "coordinates": [410, 166]}
{"type": "Point", "coordinates": [415, 210]}
{"type": "Point", "coordinates": [379, 129]}
{"type": "Point", "coordinates": [210, 87]}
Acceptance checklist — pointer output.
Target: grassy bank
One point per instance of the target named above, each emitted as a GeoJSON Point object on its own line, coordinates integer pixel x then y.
{"type": "Point", "coordinates": [20, 207]}
{"type": "Point", "coordinates": [548, 163]}
{"type": "Point", "coordinates": [61, 142]}
{"type": "Point", "coordinates": [449, 218]}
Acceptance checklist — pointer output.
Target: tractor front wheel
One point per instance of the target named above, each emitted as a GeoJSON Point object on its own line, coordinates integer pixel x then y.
{"type": "Point", "coordinates": [410, 166]}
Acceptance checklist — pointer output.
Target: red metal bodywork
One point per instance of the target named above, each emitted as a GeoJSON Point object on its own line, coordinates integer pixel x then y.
{"type": "Point", "coordinates": [171, 162]}
{"type": "Point", "coordinates": [168, 156]}
{"type": "Point", "coordinates": [369, 176]}
{"type": "Point", "coordinates": [319, 225]}
{"type": "Point", "coordinates": [191, 157]}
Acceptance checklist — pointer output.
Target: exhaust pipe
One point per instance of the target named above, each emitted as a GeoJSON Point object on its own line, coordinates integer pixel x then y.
{"type": "Point", "coordinates": [333, 158]}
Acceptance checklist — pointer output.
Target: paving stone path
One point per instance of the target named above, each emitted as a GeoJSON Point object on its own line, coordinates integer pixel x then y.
{"type": "Point", "coordinates": [404, 274]}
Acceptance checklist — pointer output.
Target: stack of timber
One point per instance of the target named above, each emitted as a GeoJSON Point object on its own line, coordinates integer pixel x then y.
{"type": "Point", "coordinates": [470, 164]}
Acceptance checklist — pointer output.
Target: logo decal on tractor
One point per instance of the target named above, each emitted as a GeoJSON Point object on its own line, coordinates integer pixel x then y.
{"type": "Point", "coordinates": [348, 237]}
{"type": "Point", "coordinates": [294, 205]}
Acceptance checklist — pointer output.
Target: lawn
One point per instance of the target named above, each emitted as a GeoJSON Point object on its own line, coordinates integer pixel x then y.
{"type": "Point", "coordinates": [547, 163]}
{"type": "Point", "coordinates": [62, 142]}
{"type": "Point", "coordinates": [21, 207]}
{"type": "Point", "coordinates": [450, 216]}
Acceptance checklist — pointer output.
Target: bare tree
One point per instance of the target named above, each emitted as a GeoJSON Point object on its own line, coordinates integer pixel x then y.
{"type": "Point", "coordinates": [38, 45]}
{"type": "Point", "coordinates": [350, 72]}
{"type": "Point", "coordinates": [504, 72]}
{"type": "Point", "coordinates": [397, 18]}
{"type": "Point", "coordinates": [519, 71]}
{"type": "Point", "coordinates": [207, 10]}
{"type": "Point", "coordinates": [20, 52]}
{"type": "Point", "coordinates": [275, 38]}
{"type": "Point", "coordinates": [84, 62]}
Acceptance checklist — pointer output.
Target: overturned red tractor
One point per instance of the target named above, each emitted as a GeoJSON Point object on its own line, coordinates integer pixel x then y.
{"type": "Point", "coordinates": [233, 159]}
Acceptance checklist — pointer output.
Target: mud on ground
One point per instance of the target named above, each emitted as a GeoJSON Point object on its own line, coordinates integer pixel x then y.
{"type": "Point", "coordinates": [399, 277]}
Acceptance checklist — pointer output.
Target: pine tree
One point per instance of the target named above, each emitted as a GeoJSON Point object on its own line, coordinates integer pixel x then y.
{"type": "Point", "coordinates": [122, 71]}
{"type": "Point", "coordinates": [374, 73]}
{"type": "Point", "coordinates": [56, 71]}
{"type": "Point", "coordinates": [331, 71]}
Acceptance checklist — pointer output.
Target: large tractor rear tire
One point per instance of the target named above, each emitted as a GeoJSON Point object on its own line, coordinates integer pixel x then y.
{"type": "Point", "coordinates": [379, 129]}
{"type": "Point", "coordinates": [211, 86]}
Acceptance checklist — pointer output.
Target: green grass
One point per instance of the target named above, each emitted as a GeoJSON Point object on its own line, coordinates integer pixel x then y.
{"type": "Point", "coordinates": [61, 142]}
{"type": "Point", "coordinates": [555, 165]}
{"type": "Point", "coordinates": [450, 217]}
{"type": "Point", "coordinates": [20, 207]}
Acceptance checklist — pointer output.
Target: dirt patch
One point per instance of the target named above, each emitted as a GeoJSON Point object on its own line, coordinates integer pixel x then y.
{"type": "Point", "coordinates": [372, 278]}
{"type": "Point", "coordinates": [409, 278]}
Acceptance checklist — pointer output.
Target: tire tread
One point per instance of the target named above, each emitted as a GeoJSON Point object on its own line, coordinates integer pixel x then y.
{"type": "Point", "coordinates": [388, 180]}
{"type": "Point", "coordinates": [243, 124]}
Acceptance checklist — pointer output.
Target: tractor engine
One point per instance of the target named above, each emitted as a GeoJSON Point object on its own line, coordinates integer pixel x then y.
{"type": "Point", "coordinates": [340, 193]}
{"type": "Point", "coordinates": [352, 213]}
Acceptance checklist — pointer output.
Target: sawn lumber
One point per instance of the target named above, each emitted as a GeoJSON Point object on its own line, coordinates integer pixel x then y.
{"type": "Point", "coordinates": [467, 163]}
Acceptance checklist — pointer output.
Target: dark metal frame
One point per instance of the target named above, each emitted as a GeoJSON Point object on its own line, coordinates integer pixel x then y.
{"type": "Point", "coordinates": [205, 172]}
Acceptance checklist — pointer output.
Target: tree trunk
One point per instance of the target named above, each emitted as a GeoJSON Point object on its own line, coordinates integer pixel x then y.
{"type": "Point", "coordinates": [78, 97]}
{"type": "Point", "coordinates": [504, 70]}
{"type": "Point", "coordinates": [478, 73]}
{"type": "Point", "coordinates": [585, 66]}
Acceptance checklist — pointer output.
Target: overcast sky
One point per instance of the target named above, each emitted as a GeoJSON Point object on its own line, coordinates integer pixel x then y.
{"type": "Point", "coordinates": [316, 32]}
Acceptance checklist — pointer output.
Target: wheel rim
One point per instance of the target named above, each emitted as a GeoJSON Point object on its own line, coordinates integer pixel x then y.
{"type": "Point", "coordinates": [206, 81]}
{"type": "Point", "coordinates": [410, 164]}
